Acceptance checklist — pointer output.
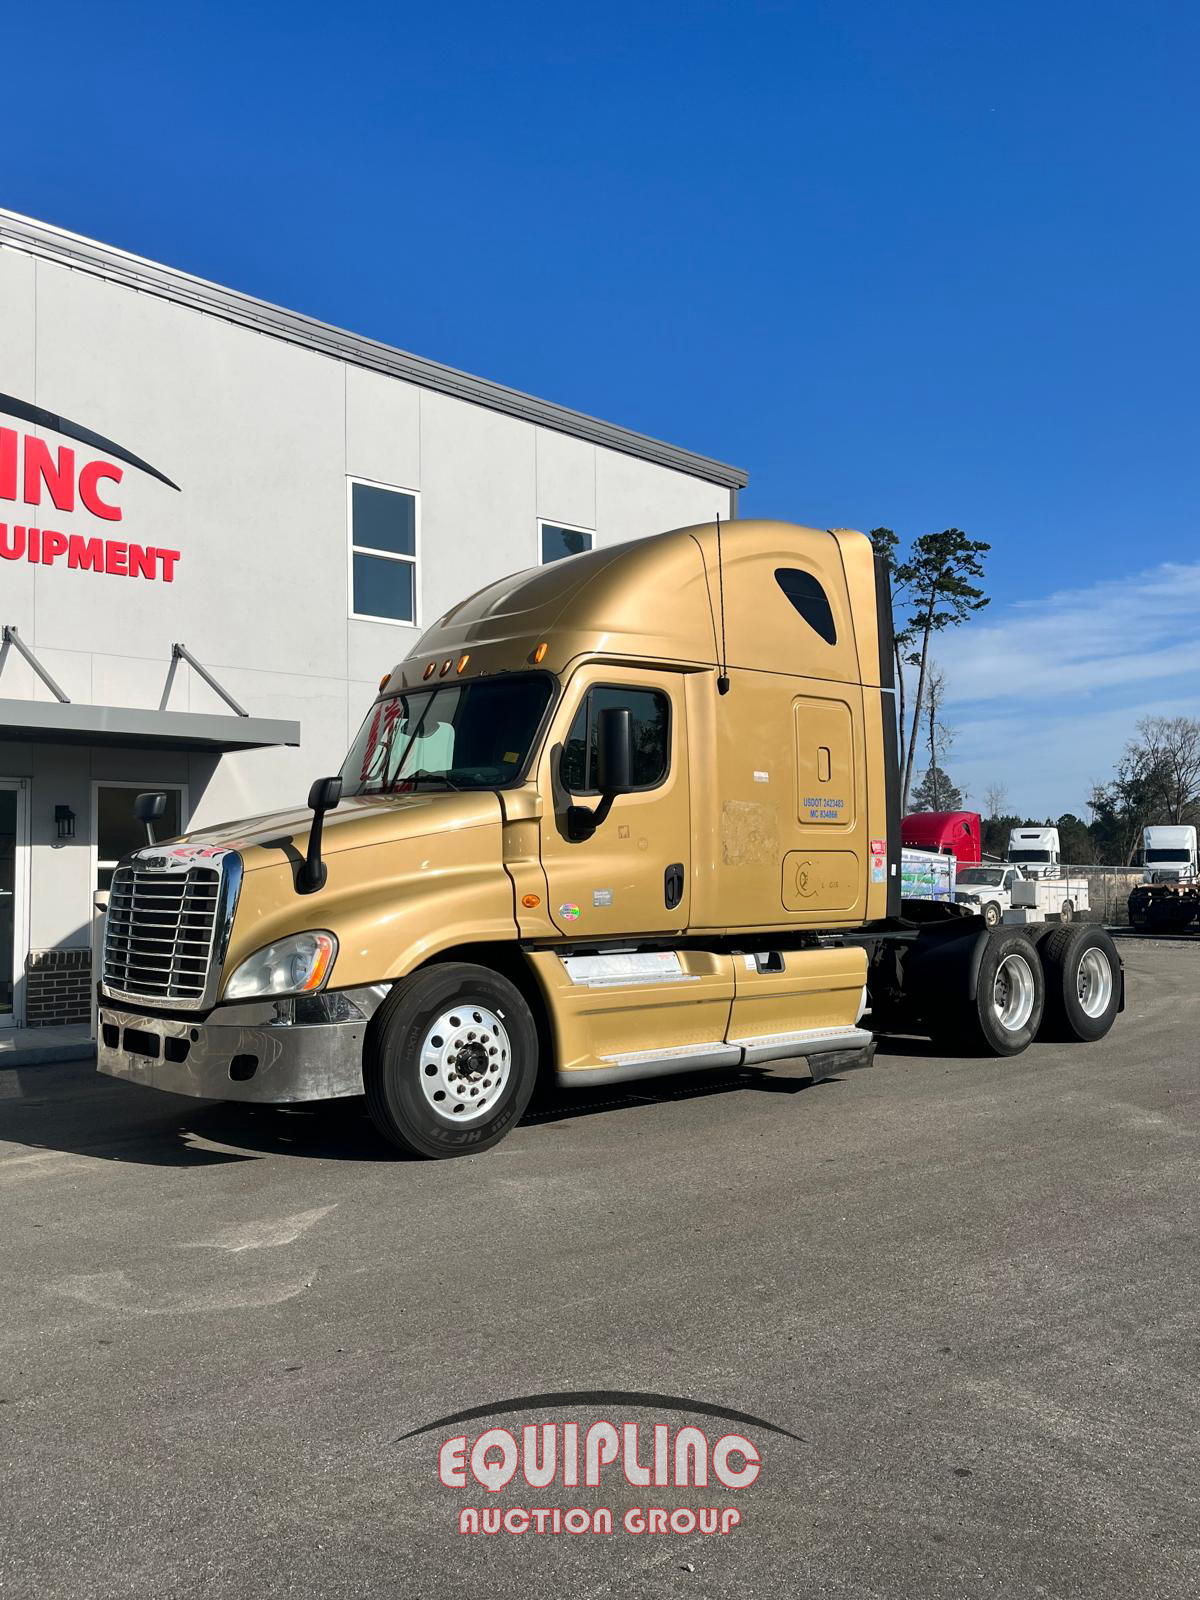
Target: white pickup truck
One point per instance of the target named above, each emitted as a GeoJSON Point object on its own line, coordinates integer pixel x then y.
{"type": "Point", "coordinates": [1001, 889]}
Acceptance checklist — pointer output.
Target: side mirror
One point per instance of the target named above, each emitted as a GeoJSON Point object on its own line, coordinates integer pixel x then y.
{"type": "Point", "coordinates": [147, 808]}
{"type": "Point", "coordinates": [614, 750]}
{"type": "Point", "coordinates": [325, 794]}
{"type": "Point", "coordinates": [614, 771]}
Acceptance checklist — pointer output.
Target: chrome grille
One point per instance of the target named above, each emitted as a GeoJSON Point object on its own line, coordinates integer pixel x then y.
{"type": "Point", "coordinates": [161, 932]}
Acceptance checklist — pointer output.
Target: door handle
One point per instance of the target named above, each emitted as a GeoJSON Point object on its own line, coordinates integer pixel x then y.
{"type": "Point", "coordinates": [673, 885]}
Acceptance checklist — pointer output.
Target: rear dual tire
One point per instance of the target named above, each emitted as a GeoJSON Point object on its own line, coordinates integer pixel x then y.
{"type": "Point", "coordinates": [1067, 986]}
{"type": "Point", "coordinates": [1004, 1014]}
{"type": "Point", "coordinates": [1083, 983]}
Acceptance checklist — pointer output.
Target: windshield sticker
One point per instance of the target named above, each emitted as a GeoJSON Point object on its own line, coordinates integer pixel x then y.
{"type": "Point", "coordinates": [511, 757]}
{"type": "Point", "coordinates": [570, 911]}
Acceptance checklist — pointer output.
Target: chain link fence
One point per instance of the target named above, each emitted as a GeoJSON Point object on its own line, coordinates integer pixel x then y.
{"type": "Point", "coordinates": [1108, 892]}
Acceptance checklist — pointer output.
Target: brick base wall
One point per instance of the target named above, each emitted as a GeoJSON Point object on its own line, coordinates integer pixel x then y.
{"type": "Point", "coordinates": [58, 987]}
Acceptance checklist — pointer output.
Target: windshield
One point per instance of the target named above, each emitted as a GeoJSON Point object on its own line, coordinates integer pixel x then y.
{"type": "Point", "coordinates": [990, 877]}
{"type": "Point", "coordinates": [1029, 855]}
{"type": "Point", "coordinates": [474, 735]}
{"type": "Point", "coordinates": [1168, 855]}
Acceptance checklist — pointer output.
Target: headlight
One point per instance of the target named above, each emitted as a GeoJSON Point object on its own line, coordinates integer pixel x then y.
{"type": "Point", "coordinates": [296, 965]}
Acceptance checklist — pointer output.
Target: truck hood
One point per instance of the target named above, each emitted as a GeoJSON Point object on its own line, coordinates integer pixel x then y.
{"type": "Point", "coordinates": [408, 875]}
{"type": "Point", "coordinates": [359, 822]}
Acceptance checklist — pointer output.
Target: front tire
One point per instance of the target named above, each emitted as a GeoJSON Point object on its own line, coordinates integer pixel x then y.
{"type": "Point", "coordinates": [450, 1061]}
{"type": "Point", "coordinates": [991, 914]}
{"type": "Point", "coordinates": [1083, 983]}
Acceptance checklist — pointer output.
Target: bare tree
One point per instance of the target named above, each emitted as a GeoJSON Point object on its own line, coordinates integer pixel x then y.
{"type": "Point", "coordinates": [940, 735]}
{"type": "Point", "coordinates": [1170, 748]}
{"type": "Point", "coordinates": [995, 798]}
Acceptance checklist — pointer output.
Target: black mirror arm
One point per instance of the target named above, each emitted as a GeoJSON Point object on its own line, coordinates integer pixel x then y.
{"type": "Point", "coordinates": [582, 821]}
{"type": "Point", "coordinates": [313, 871]}
{"type": "Point", "coordinates": [324, 795]}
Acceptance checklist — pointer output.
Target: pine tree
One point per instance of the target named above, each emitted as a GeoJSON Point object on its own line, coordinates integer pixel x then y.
{"type": "Point", "coordinates": [936, 792]}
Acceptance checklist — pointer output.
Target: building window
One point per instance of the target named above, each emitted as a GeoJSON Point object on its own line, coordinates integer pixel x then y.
{"type": "Point", "coordinates": [557, 541]}
{"type": "Point", "coordinates": [117, 829]}
{"type": "Point", "coordinates": [383, 553]}
{"type": "Point", "coordinates": [651, 717]}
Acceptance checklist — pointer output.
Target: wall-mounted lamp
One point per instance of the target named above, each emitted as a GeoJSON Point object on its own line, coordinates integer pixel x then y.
{"type": "Point", "coordinates": [64, 821]}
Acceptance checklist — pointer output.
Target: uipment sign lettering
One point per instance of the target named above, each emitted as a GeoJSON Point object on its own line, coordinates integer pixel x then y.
{"type": "Point", "coordinates": [34, 473]}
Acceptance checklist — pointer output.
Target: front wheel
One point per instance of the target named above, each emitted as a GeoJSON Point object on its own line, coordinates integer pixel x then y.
{"type": "Point", "coordinates": [991, 914]}
{"type": "Point", "coordinates": [450, 1060]}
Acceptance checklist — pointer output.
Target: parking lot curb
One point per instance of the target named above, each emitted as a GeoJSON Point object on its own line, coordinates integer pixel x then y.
{"type": "Point", "coordinates": [48, 1055]}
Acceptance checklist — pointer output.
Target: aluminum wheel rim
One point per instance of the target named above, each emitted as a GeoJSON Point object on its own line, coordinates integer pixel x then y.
{"type": "Point", "coordinates": [465, 1062]}
{"type": "Point", "coordinates": [1095, 982]}
{"type": "Point", "coordinates": [1013, 993]}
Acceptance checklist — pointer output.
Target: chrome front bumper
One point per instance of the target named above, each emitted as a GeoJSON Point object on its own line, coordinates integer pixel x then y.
{"type": "Point", "coordinates": [246, 1052]}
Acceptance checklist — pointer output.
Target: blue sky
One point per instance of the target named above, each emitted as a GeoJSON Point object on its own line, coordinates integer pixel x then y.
{"type": "Point", "coordinates": [920, 265]}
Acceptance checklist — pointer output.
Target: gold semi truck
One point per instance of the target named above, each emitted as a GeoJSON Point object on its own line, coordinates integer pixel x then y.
{"type": "Point", "coordinates": [636, 812]}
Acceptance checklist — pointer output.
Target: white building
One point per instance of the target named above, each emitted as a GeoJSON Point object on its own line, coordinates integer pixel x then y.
{"type": "Point", "coordinates": [183, 467]}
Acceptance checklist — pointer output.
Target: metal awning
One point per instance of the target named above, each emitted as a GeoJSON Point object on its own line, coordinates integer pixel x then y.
{"type": "Point", "coordinates": [46, 722]}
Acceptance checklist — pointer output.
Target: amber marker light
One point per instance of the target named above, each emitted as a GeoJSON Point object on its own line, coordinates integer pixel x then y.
{"type": "Point", "coordinates": [445, 666]}
{"type": "Point", "coordinates": [384, 680]}
{"type": "Point", "coordinates": [531, 900]}
{"type": "Point", "coordinates": [325, 949]}
{"type": "Point", "coordinates": [428, 673]}
{"type": "Point", "coordinates": [462, 661]}
{"type": "Point", "coordinates": [540, 653]}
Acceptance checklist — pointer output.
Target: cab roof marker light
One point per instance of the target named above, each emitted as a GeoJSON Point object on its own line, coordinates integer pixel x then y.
{"type": "Point", "coordinates": [540, 653]}
{"type": "Point", "coordinates": [462, 661]}
{"type": "Point", "coordinates": [446, 665]}
{"type": "Point", "coordinates": [428, 673]}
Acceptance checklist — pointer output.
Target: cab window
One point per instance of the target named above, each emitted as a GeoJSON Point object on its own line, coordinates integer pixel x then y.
{"type": "Point", "coordinates": [651, 717]}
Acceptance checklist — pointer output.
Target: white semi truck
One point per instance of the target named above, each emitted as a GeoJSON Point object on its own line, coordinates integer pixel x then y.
{"type": "Point", "coordinates": [1168, 854]}
{"type": "Point", "coordinates": [1035, 849]}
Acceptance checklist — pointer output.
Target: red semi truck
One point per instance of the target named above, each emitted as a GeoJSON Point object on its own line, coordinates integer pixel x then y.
{"type": "Point", "coordinates": [947, 833]}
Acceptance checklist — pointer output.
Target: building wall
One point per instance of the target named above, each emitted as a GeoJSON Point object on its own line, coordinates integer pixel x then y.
{"type": "Point", "coordinates": [260, 435]}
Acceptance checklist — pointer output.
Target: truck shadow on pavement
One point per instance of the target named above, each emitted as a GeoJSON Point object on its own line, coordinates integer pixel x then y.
{"type": "Point", "coordinates": [70, 1108]}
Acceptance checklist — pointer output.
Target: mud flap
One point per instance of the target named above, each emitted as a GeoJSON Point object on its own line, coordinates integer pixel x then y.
{"type": "Point", "coordinates": [832, 1063]}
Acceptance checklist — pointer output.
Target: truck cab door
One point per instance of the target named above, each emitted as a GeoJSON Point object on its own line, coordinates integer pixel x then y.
{"type": "Point", "coordinates": [632, 875]}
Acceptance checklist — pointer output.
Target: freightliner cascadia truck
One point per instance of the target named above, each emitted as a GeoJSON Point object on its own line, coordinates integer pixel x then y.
{"type": "Point", "coordinates": [633, 813]}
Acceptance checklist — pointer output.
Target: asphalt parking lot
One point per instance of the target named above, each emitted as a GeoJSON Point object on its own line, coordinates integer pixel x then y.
{"type": "Point", "coordinates": [968, 1287]}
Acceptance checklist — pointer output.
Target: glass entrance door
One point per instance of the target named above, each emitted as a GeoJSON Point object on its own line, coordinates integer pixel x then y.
{"type": "Point", "coordinates": [12, 897]}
